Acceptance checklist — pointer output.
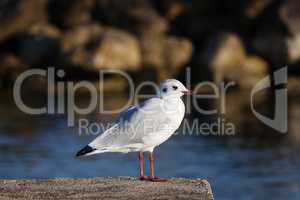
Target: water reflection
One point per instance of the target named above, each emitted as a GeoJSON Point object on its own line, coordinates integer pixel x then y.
{"type": "Point", "coordinates": [253, 164]}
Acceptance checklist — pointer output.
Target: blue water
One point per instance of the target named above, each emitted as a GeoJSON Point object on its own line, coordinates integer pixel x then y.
{"type": "Point", "coordinates": [237, 167]}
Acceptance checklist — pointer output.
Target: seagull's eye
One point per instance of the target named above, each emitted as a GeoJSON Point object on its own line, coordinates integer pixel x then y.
{"type": "Point", "coordinates": [164, 89]}
{"type": "Point", "coordinates": [175, 87]}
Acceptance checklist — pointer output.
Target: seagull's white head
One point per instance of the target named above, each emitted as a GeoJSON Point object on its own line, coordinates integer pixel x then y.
{"type": "Point", "coordinates": [172, 88]}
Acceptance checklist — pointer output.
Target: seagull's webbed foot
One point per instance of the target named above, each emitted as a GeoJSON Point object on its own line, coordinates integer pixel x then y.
{"type": "Point", "coordinates": [143, 178]}
{"type": "Point", "coordinates": [153, 179]}
{"type": "Point", "coordinates": [157, 179]}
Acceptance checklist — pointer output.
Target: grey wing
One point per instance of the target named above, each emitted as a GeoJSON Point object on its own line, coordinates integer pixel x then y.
{"type": "Point", "coordinates": [132, 125]}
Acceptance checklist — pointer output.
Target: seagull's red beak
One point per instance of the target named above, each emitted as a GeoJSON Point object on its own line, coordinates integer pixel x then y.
{"type": "Point", "coordinates": [188, 92]}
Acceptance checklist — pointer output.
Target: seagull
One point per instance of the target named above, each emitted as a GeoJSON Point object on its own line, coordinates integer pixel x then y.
{"type": "Point", "coordinates": [144, 126]}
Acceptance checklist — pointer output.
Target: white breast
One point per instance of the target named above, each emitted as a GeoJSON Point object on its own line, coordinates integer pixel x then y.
{"type": "Point", "coordinates": [173, 110]}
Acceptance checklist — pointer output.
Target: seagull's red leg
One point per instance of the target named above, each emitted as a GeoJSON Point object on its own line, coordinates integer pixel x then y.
{"type": "Point", "coordinates": [151, 159]}
{"type": "Point", "coordinates": [141, 159]}
{"type": "Point", "coordinates": [152, 177]}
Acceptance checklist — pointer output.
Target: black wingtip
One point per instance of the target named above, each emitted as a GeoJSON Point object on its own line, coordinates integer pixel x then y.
{"type": "Point", "coordinates": [87, 149]}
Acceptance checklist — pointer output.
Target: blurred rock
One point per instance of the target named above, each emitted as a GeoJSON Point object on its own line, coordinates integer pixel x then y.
{"type": "Point", "coordinates": [152, 51]}
{"type": "Point", "coordinates": [290, 15]}
{"type": "Point", "coordinates": [178, 51]}
{"type": "Point", "coordinates": [293, 86]}
{"type": "Point", "coordinates": [98, 48]}
{"type": "Point", "coordinates": [80, 36]}
{"type": "Point", "coordinates": [17, 15]}
{"type": "Point", "coordinates": [255, 7]}
{"type": "Point", "coordinates": [167, 54]}
{"type": "Point", "coordinates": [40, 45]}
{"type": "Point", "coordinates": [138, 16]}
{"type": "Point", "coordinates": [199, 20]}
{"type": "Point", "coordinates": [171, 9]}
{"type": "Point", "coordinates": [225, 54]}
{"type": "Point", "coordinates": [45, 29]}
{"type": "Point", "coordinates": [118, 49]}
{"type": "Point", "coordinates": [70, 13]}
{"type": "Point", "coordinates": [147, 20]}
{"type": "Point", "coordinates": [79, 13]}
{"type": "Point", "coordinates": [200, 28]}
{"type": "Point", "coordinates": [10, 67]}
{"type": "Point", "coordinates": [253, 70]}
{"type": "Point", "coordinates": [271, 46]}
{"type": "Point", "coordinates": [293, 44]}
{"type": "Point", "coordinates": [79, 42]}
{"type": "Point", "coordinates": [138, 35]}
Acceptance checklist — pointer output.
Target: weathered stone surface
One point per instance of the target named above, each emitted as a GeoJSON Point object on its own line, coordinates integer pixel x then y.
{"type": "Point", "coordinates": [105, 188]}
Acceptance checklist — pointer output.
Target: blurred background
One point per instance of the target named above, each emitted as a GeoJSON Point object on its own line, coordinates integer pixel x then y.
{"type": "Point", "coordinates": [229, 40]}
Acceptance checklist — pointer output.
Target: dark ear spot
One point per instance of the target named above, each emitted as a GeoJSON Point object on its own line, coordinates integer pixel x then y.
{"type": "Point", "coordinates": [164, 89]}
{"type": "Point", "coordinates": [175, 87]}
